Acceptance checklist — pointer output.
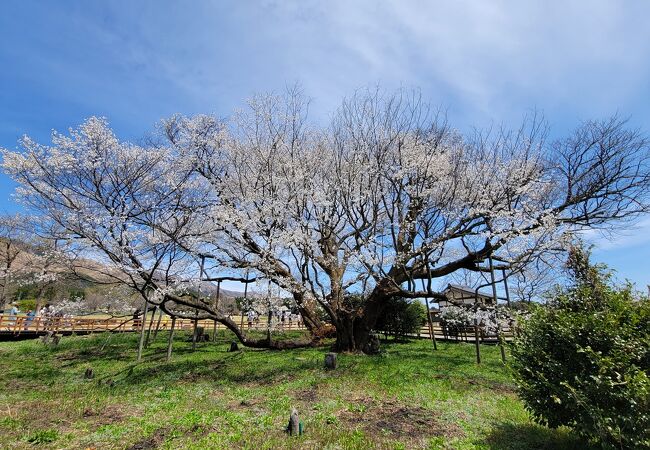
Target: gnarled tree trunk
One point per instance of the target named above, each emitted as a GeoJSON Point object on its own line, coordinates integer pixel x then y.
{"type": "Point", "coordinates": [353, 330]}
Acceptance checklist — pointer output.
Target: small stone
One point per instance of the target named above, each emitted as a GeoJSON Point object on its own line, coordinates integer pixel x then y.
{"type": "Point", "coordinates": [372, 346]}
{"type": "Point", "coordinates": [294, 423]}
{"type": "Point", "coordinates": [330, 361]}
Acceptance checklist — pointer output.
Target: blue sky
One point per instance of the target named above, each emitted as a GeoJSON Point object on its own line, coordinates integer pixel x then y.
{"type": "Point", "coordinates": [487, 63]}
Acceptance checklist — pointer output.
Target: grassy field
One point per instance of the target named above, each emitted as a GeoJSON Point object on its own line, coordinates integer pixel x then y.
{"type": "Point", "coordinates": [409, 397]}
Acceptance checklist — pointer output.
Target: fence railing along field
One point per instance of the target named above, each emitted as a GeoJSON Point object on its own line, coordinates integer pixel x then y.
{"type": "Point", "coordinates": [466, 333]}
{"type": "Point", "coordinates": [17, 324]}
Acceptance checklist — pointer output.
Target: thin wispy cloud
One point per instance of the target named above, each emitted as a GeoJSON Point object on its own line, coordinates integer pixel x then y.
{"type": "Point", "coordinates": [634, 236]}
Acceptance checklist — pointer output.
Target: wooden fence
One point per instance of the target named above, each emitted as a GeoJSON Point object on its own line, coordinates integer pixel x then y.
{"type": "Point", "coordinates": [22, 324]}
{"type": "Point", "coordinates": [11, 324]}
{"type": "Point", "coordinates": [464, 333]}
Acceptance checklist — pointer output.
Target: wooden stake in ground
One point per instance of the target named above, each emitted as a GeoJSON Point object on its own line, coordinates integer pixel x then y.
{"type": "Point", "coordinates": [142, 325]}
{"type": "Point", "coordinates": [170, 341]}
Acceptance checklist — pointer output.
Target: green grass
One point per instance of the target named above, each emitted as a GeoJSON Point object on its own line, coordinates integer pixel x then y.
{"type": "Point", "coordinates": [409, 397]}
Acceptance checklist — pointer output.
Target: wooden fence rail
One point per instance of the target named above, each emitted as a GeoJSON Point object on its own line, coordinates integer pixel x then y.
{"type": "Point", "coordinates": [464, 333]}
{"type": "Point", "coordinates": [19, 324]}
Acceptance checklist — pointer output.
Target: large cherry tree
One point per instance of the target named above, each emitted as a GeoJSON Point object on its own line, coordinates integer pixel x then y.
{"type": "Point", "coordinates": [381, 202]}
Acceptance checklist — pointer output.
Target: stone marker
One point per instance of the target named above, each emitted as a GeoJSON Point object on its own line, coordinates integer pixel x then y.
{"type": "Point", "coordinates": [330, 361]}
{"type": "Point", "coordinates": [294, 423]}
{"type": "Point", "coordinates": [233, 347]}
{"type": "Point", "coordinates": [372, 346]}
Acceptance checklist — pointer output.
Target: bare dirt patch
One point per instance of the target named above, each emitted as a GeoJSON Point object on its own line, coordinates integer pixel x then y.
{"type": "Point", "coordinates": [250, 403]}
{"type": "Point", "coordinates": [494, 386]}
{"type": "Point", "coordinates": [108, 415]}
{"type": "Point", "coordinates": [43, 414]}
{"type": "Point", "coordinates": [406, 423]}
{"type": "Point", "coordinates": [153, 441]}
{"type": "Point", "coordinates": [307, 395]}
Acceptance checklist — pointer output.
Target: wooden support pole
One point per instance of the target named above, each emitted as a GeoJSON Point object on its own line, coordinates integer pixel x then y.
{"type": "Point", "coordinates": [501, 346]}
{"type": "Point", "coordinates": [142, 322]}
{"type": "Point", "coordinates": [241, 325]}
{"type": "Point", "coordinates": [155, 332]}
{"type": "Point", "coordinates": [505, 285]}
{"type": "Point", "coordinates": [153, 316]}
{"type": "Point", "coordinates": [214, 327]}
{"type": "Point", "coordinates": [493, 282]}
{"type": "Point", "coordinates": [431, 332]}
{"type": "Point", "coordinates": [476, 342]}
{"type": "Point", "coordinates": [170, 340]}
{"type": "Point", "coordinates": [194, 332]}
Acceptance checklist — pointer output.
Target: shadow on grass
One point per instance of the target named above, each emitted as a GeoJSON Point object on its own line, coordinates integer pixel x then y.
{"type": "Point", "coordinates": [508, 436]}
{"type": "Point", "coordinates": [211, 362]}
{"type": "Point", "coordinates": [113, 359]}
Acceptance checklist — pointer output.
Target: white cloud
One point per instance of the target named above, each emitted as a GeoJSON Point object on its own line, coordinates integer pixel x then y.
{"type": "Point", "coordinates": [634, 236]}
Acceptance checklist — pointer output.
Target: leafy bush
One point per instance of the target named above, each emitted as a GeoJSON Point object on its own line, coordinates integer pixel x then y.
{"type": "Point", "coordinates": [26, 304]}
{"type": "Point", "coordinates": [41, 437]}
{"type": "Point", "coordinates": [584, 360]}
{"type": "Point", "coordinates": [401, 317]}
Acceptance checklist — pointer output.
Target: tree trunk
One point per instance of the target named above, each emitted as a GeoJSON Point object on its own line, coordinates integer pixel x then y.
{"type": "Point", "coordinates": [353, 331]}
{"type": "Point", "coordinates": [345, 336]}
{"type": "Point", "coordinates": [307, 309]}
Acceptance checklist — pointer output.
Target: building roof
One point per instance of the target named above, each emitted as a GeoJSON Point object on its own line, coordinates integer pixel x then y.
{"type": "Point", "coordinates": [466, 290]}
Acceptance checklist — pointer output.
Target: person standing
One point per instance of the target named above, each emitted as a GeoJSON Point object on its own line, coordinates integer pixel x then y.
{"type": "Point", "coordinates": [13, 312]}
{"type": "Point", "coordinates": [30, 318]}
{"type": "Point", "coordinates": [13, 315]}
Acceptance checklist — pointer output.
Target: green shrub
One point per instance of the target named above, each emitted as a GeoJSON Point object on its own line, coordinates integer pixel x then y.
{"type": "Point", "coordinates": [584, 360]}
{"type": "Point", "coordinates": [41, 437]}
{"type": "Point", "coordinates": [401, 317]}
{"type": "Point", "coordinates": [26, 305]}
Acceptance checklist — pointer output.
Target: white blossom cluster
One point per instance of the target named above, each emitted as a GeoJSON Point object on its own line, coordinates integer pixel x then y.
{"type": "Point", "coordinates": [490, 319]}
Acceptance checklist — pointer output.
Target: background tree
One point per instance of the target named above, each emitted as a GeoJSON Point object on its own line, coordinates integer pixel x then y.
{"type": "Point", "coordinates": [11, 243]}
{"type": "Point", "coordinates": [402, 317]}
